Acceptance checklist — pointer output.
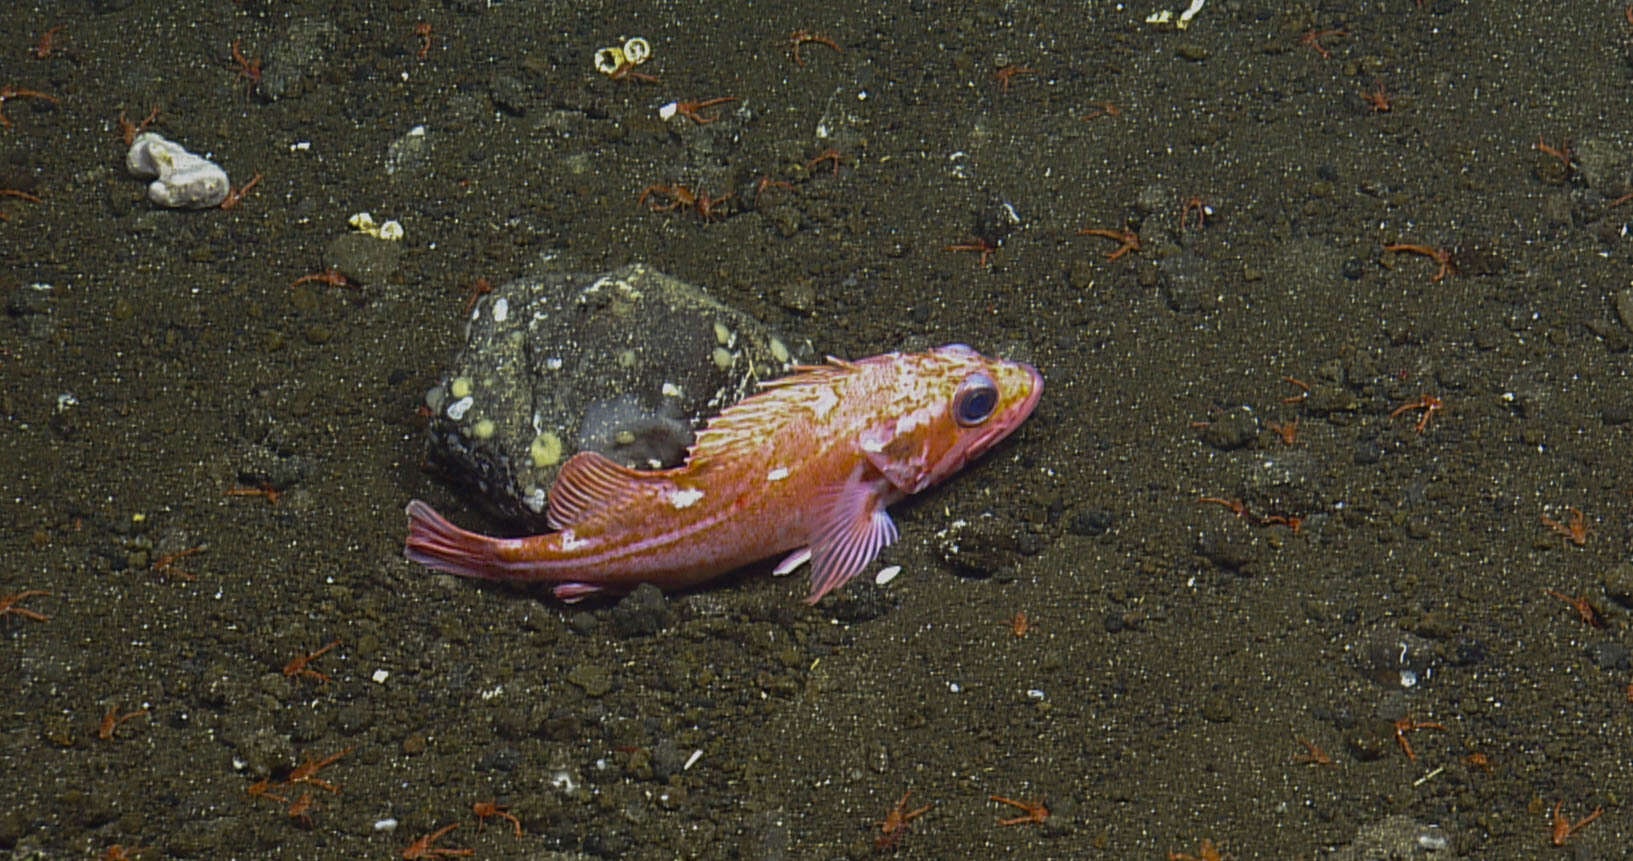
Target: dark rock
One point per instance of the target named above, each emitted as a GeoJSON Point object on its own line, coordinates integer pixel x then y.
{"type": "Point", "coordinates": [627, 363]}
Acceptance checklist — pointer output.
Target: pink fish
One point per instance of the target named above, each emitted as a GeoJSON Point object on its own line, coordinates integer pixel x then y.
{"type": "Point", "coordinates": [808, 465]}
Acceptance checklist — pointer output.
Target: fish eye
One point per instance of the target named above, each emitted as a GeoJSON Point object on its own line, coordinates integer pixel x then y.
{"type": "Point", "coordinates": [975, 400]}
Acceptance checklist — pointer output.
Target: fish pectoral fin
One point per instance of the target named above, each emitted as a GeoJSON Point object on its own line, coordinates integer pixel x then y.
{"type": "Point", "coordinates": [854, 535]}
{"type": "Point", "coordinates": [591, 484]}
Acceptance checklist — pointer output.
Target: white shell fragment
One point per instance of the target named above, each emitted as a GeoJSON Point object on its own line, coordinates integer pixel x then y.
{"type": "Point", "coordinates": [184, 180]}
{"type": "Point", "coordinates": [886, 575]}
{"type": "Point", "coordinates": [1166, 18]}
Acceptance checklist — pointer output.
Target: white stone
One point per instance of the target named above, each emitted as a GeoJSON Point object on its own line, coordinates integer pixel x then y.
{"type": "Point", "coordinates": [184, 180]}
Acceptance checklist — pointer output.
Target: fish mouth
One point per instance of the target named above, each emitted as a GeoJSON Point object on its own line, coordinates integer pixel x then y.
{"type": "Point", "coordinates": [1032, 397]}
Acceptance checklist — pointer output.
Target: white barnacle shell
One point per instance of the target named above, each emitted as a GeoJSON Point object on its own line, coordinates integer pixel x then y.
{"type": "Point", "coordinates": [637, 51]}
{"type": "Point", "coordinates": [608, 60]}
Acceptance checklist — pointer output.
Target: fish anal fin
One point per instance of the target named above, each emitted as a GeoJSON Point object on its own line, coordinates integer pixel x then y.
{"type": "Point", "coordinates": [572, 593]}
{"type": "Point", "coordinates": [791, 561]}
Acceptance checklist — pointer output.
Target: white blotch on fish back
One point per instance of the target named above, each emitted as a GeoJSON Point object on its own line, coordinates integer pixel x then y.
{"type": "Point", "coordinates": [569, 541]}
{"type": "Point", "coordinates": [777, 474]}
{"type": "Point", "coordinates": [684, 498]}
{"type": "Point", "coordinates": [825, 401]}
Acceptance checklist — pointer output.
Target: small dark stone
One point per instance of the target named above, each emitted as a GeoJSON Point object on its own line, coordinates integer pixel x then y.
{"type": "Point", "coordinates": [363, 258]}
{"type": "Point", "coordinates": [983, 546]}
{"type": "Point", "coordinates": [13, 824]}
{"type": "Point", "coordinates": [593, 679]}
{"type": "Point", "coordinates": [1231, 431]}
{"type": "Point", "coordinates": [1613, 336]}
{"type": "Point", "coordinates": [1618, 583]}
{"type": "Point", "coordinates": [1217, 708]}
{"type": "Point", "coordinates": [501, 758]}
{"type": "Point", "coordinates": [860, 601]}
{"type": "Point", "coordinates": [1090, 522]}
{"type": "Point", "coordinates": [353, 719]}
{"type": "Point", "coordinates": [1193, 51]}
{"type": "Point", "coordinates": [641, 613]}
{"type": "Point", "coordinates": [667, 760]}
{"type": "Point", "coordinates": [509, 95]}
{"type": "Point", "coordinates": [1371, 739]}
{"type": "Point", "coordinates": [1327, 400]}
{"type": "Point", "coordinates": [1478, 260]}
{"type": "Point", "coordinates": [1468, 653]}
{"type": "Point", "coordinates": [561, 729]}
{"type": "Point", "coordinates": [582, 622]}
{"type": "Point", "coordinates": [1226, 553]}
{"type": "Point", "coordinates": [1608, 656]}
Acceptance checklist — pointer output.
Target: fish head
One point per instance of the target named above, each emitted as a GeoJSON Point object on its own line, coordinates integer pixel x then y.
{"type": "Point", "coordinates": [944, 408]}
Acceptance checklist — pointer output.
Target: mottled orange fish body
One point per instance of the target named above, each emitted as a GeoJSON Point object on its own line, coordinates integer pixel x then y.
{"type": "Point", "coordinates": [807, 465]}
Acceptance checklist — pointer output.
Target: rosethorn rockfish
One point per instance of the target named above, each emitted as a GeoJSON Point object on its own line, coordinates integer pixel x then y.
{"type": "Point", "coordinates": [807, 465]}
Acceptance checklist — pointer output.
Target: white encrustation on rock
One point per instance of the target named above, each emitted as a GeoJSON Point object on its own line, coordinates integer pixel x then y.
{"type": "Point", "coordinates": [183, 180]}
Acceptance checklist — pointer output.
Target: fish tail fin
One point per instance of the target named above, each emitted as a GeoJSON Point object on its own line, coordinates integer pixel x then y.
{"type": "Point", "coordinates": [438, 544]}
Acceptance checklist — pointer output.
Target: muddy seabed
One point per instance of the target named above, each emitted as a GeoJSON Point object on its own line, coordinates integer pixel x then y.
{"type": "Point", "coordinates": [1180, 656]}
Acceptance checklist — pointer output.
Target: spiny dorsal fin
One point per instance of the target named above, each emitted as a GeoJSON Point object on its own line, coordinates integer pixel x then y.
{"type": "Point", "coordinates": [749, 422]}
{"type": "Point", "coordinates": [590, 484]}
{"type": "Point", "coordinates": [836, 367]}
